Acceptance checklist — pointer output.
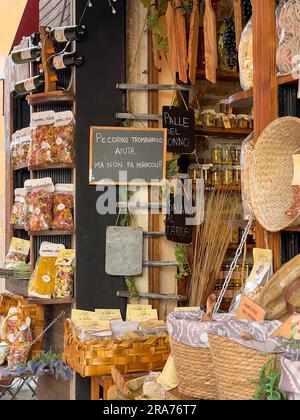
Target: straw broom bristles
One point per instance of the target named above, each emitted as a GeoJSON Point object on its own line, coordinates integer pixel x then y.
{"type": "Point", "coordinates": [211, 244]}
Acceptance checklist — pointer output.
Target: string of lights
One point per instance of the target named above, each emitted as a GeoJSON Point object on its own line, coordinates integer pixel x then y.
{"type": "Point", "coordinates": [89, 4]}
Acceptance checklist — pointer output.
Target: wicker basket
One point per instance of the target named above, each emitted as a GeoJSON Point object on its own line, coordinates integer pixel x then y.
{"type": "Point", "coordinates": [34, 312]}
{"type": "Point", "coordinates": [236, 368]}
{"type": "Point", "coordinates": [271, 174]}
{"type": "Point", "coordinates": [194, 368]}
{"type": "Point", "coordinates": [98, 357]}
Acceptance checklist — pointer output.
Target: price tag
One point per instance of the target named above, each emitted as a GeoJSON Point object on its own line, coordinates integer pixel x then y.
{"type": "Point", "coordinates": [226, 122]}
{"type": "Point", "coordinates": [250, 311]}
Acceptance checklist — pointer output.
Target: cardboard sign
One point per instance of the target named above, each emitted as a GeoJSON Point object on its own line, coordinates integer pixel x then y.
{"type": "Point", "coordinates": [290, 328]}
{"type": "Point", "coordinates": [127, 156]}
{"type": "Point", "coordinates": [180, 124]}
{"type": "Point", "coordinates": [250, 311]}
{"type": "Point", "coordinates": [142, 316]}
{"type": "Point", "coordinates": [124, 251]}
{"type": "Point", "coordinates": [177, 229]}
{"type": "Point", "coordinates": [109, 314]}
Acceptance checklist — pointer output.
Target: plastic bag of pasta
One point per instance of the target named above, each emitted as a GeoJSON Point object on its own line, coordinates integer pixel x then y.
{"type": "Point", "coordinates": [246, 57]}
{"type": "Point", "coordinates": [63, 205]}
{"type": "Point", "coordinates": [39, 202]}
{"type": "Point", "coordinates": [18, 254]}
{"type": "Point", "coordinates": [18, 209]}
{"type": "Point", "coordinates": [64, 146]}
{"type": "Point", "coordinates": [41, 151]}
{"type": "Point", "coordinates": [42, 282]}
{"type": "Point", "coordinates": [64, 274]}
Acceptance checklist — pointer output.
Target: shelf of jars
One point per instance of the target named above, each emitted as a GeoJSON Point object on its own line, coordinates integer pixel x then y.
{"type": "Point", "coordinates": [233, 132]}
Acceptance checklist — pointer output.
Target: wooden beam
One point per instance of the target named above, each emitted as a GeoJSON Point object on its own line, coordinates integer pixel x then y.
{"type": "Point", "coordinates": [265, 94]}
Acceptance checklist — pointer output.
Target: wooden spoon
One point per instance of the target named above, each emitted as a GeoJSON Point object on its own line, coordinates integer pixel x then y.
{"type": "Point", "coordinates": [210, 41]}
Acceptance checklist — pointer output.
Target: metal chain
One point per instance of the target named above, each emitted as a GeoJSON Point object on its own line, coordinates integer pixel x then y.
{"type": "Point", "coordinates": [234, 263]}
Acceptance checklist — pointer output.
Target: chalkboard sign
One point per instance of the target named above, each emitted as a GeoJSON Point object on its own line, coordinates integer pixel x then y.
{"type": "Point", "coordinates": [127, 156]}
{"type": "Point", "coordinates": [177, 229]}
{"type": "Point", "coordinates": [180, 124]}
{"type": "Point", "coordinates": [124, 251]}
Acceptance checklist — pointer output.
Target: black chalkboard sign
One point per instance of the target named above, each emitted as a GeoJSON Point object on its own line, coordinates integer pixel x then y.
{"type": "Point", "coordinates": [127, 156]}
{"type": "Point", "coordinates": [177, 229]}
{"type": "Point", "coordinates": [180, 124]}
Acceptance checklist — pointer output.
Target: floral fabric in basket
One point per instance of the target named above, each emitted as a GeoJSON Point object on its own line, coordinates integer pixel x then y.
{"type": "Point", "coordinates": [290, 378]}
{"type": "Point", "coordinates": [187, 328]}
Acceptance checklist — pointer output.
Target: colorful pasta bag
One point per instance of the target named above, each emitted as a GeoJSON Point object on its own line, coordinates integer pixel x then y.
{"type": "Point", "coordinates": [39, 202]}
{"type": "Point", "coordinates": [43, 139]}
{"type": "Point", "coordinates": [42, 282]}
{"type": "Point", "coordinates": [25, 141]}
{"type": "Point", "coordinates": [20, 347]}
{"type": "Point", "coordinates": [63, 206]}
{"type": "Point", "coordinates": [64, 133]}
{"type": "Point", "coordinates": [19, 207]}
{"type": "Point", "coordinates": [18, 254]}
{"type": "Point", "coordinates": [13, 150]}
{"type": "Point", "coordinates": [64, 274]}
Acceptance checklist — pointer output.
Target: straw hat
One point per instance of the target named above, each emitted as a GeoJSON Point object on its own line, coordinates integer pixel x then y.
{"type": "Point", "coordinates": [271, 174]}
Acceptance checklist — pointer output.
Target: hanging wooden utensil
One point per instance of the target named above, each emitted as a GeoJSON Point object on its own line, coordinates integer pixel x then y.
{"type": "Point", "coordinates": [194, 41]}
{"type": "Point", "coordinates": [172, 55]}
{"type": "Point", "coordinates": [238, 21]}
{"type": "Point", "coordinates": [156, 57]}
{"type": "Point", "coordinates": [181, 42]}
{"type": "Point", "coordinates": [210, 306]}
{"type": "Point", "coordinates": [210, 40]}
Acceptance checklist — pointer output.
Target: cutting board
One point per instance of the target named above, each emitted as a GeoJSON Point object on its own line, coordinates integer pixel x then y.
{"type": "Point", "coordinates": [210, 42]}
{"type": "Point", "coordinates": [194, 41]}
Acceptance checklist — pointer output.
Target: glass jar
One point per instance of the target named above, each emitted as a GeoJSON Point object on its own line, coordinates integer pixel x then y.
{"type": "Point", "coordinates": [217, 155]}
{"type": "Point", "coordinates": [229, 153]}
{"type": "Point", "coordinates": [237, 175]}
{"type": "Point", "coordinates": [232, 120]}
{"type": "Point", "coordinates": [198, 119]}
{"type": "Point", "coordinates": [242, 121]}
{"type": "Point", "coordinates": [228, 175]}
{"type": "Point", "coordinates": [209, 118]}
{"type": "Point", "coordinates": [251, 121]}
{"type": "Point", "coordinates": [216, 176]}
{"type": "Point", "coordinates": [224, 106]}
{"type": "Point", "coordinates": [219, 120]}
{"type": "Point", "coordinates": [237, 155]}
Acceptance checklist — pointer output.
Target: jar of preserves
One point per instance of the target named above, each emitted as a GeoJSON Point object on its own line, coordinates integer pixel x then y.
{"type": "Point", "coordinates": [216, 176]}
{"type": "Point", "coordinates": [251, 121]}
{"type": "Point", "coordinates": [229, 153]}
{"type": "Point", "coordinates": [228, 176]}
{"type": "Point", "coordinates": [232, 120]}
{"type": "Point", "coordinates": [209, 118]}
{"type": "Point", "coordinates": [217, 155]}
{"type": "Point", "coordinates": [242, 121]}
{"type": "Point", "coordinates": [237, 175]}
{"type": "Point", "coordinates": [237, 155]}
{"type": "Point", "coordinates": [219, 120]}
{"type": "Point", "coordinates": [198, 119]}
{"type": "Point", "coordinates": [224, 106]}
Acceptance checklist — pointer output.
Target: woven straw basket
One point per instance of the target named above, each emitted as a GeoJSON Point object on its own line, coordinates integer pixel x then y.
{"type": "Point", "coordinates": [271, 174]}
{"type": "Point", "coordinates": [34, 312]}
{"type": "Point", "coordinates": [236, 368]}
{"type": "Point", "coordinates": [194, 369]}
{"type": "Point", "coordinates": [98, 357]}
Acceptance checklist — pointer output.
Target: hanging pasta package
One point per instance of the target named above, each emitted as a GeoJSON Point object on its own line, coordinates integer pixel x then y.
{"type": "Point", "coordinates": [63, 205]}
{"type": "Point", "coordinates": [19, 207]}
{"type": "Point", "coordinates": [64, 274]}
{"type": "Point", "coordinates": [42, 282]}
{"type": "Point", "coordinates": [39, 201]}
{"type": "Point", "coordinates": [18, 254]}
{"type": "Point", "coordinates": [14, 149]}
{"type": "Point", "coordinates": [25, 141]}
{"type": "Point", "coordinates": [41, 151]}
{"type": "Point", "coordinates": [64, 145]}
{"type": "Point", "coordinates": [246, 57]}
{"type": "Point", "coordinates": [288, 26]}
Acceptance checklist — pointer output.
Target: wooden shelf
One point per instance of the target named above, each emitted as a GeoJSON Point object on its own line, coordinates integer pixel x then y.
{"type": "Point", "coordinates": [292, 229]}
{"type": "Point", "coordinates": [243, 99]}
{"type": "Point", "coordinates": [18, 227]}
{"type": "Point", "coordinates": [233, 132]}
{"type": "Point", "coordinates": [51, 233]}
{"type": "Point", "coordinates": [222, 76]}
{"type": "Point", "coordinates": [285, 80]}
{"type": "Point", "coordinates": [45, 302]}
{"type": "Point", "coordinates": [20, 167]}
{"type": "Point", "coordinates": [51, 98]}
{"type": "Point", "coordinates": [54, 166]}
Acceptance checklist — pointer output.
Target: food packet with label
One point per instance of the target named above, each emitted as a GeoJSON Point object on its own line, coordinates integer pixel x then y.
{"type": "Point", "coordinates": [14, 149]}
{"type": "Point", "coordinates": [43, 139]}
{"type": "Point", "coordinates": [64, 132]}
{"type": "Point", "coordinates": [64, 274]}
{"type": "Point", "coordinates": [42, 282]}
{"type": "Point", "coordinates": [63, 206]}
{"type": "Point", "coordinates": [18, 253]}
{"type": "Point", "coordinates": [39, 202]}
{"type": "Point", "coordinates": [25, 141]}
{"type": "Point", "coordinates": [18, 209]}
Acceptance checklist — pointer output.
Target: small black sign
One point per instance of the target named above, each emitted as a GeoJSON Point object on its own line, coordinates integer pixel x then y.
{"type": "Point", "coordinates": [177, 229]}
{"type": "Point", "coordinates": [181, 129]}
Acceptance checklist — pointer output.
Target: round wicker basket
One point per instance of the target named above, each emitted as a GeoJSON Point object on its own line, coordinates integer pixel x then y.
{"type": "Point", "coordinates": [271, 174]}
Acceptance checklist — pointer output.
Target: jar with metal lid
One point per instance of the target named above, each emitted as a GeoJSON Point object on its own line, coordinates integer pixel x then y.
{"type": "Point", "coordinates": [229, 153]}
{"type": "Point", "coordinates": [251, 121]}
{"type": "Point", "coordinates": [228, 174]}
{"type": "Point", "coordinates": [237, 175]}
{"type": "Point", "coordinates": [198, 119]}
{"type": "Point", "coordinates": [242, 121]}
{"type": "Point", "coordinates": [232, 120]}
{"type": "Point", "coordinates": [216, 176]}
{"type": "Point", "coordinates": [209, 118]}
{"type": "Point", "coordinates": [237, 155]}
{"type": "Point", "coordinates": [219, 120]}
{"type": "Point", "coordinates": [224, 106]}
{"type": "Point", "coordinates": [217, 155]}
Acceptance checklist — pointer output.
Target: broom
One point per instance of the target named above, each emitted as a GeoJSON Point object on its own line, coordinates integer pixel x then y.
{"type": "Point", "coordinates": [211, 244]}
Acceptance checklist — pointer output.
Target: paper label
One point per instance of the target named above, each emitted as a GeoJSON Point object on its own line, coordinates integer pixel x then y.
{"type": "Point", "coordinates": [59, 141]}
{"type": "Point", "coordinates": [19, 246]}
{"type": "Point", "coordinates": [109, 314]}
{"type": "Point", "coordinates": [58, 62]}
{"type": "Point", "coordinates": [59, 35]}
{"type": "Point", "coordinates": [35, 184]}
{"type": "Point", "coordinates": [141, 316]}
{"type": "Point", "coordinates": [66, 257]}
{"type": "Point", "coordinates": [226, 122]}
{"type": "Point", "coordinates": [48, 249]}
{"type": "Point", "coordinates": [250, 311]}
{"type": "Point", "coordinates": [64, 188]}
{"type": "Point", "coordinates": [63, 118]}
{"type": "Point", "coordinates": [26, 54]}
{"type": "Point", "coordinates": [29, 85]}
{"type": "Point", "coordinates": [46, 279]}
{"type": "Point", "coordinates": [182, 310]}
{"type": "Point", "coordinates": [135, 308]}
{"type": "Point", "coordinates": [95, 324]}
{"type": "Point", "coordinates": [88, 319]}
{"type": "Point", "coordinates": [290, 328]}
{"type": "Point", "coordinates": [20, 194]}
{"type": "Point", "coordinates": [42, 118]}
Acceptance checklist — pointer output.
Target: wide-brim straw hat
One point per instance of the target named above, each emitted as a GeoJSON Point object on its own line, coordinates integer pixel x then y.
{"type": "Point", "coordinates": [271, 174]}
